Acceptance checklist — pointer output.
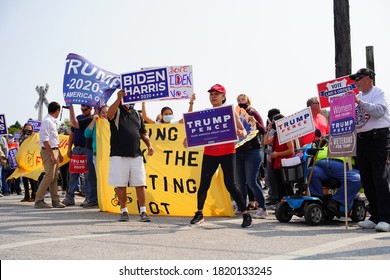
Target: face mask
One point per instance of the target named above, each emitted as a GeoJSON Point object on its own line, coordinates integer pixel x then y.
{"type": "Point", "coordinates": [243, 106]}
{"type": "Point", "coordinates": [274, 125]}
{"type": "Point", "coordinates": [129, 106]}
{"type": "Point", "coordinates": [168, 118]}
{"type": "Point", "coordinates": [28, 132]}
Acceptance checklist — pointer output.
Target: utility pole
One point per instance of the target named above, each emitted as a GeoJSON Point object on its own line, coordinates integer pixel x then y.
{"type": "Point", "coordinates": [342, 35]}
{"type": "Point", "coordinates": [42, 100]}
{"type": "Point", "coordinates": [370, 59]}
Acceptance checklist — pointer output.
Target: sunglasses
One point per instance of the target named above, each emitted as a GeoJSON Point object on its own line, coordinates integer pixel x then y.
{"type": "Point", "coordinates": [85, 109]}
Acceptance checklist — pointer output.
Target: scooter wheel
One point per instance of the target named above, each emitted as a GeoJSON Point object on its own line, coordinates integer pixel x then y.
{"type": "Point", "coordinates": [313, 214]}
{"type": "Point", "coordinates": [358, 211]}
{"type": "Point", "coordinates": [283, 212]}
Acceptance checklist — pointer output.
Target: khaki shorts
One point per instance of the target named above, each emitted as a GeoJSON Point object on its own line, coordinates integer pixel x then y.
{"type": "Point", "coordinates": [127, 171]}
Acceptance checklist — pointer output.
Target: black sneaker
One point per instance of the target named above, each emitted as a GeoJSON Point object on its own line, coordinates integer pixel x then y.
{"type": "Point", "coordinates": [197, 219]}
{"type": "Point", "coordinates": [246, 220]}
{"type": "Point", "coordinates": [124, 217]}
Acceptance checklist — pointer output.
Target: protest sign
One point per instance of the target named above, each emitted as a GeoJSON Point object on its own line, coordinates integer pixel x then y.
{"type": "Point", "coordinates": [335, 87]}
{"type": "Point", "coordinates": [35, 124]}
{"type": "Point", "coordinates": [86, 83]}
{"type": "Point", "coordinates": [295, 126]}
{"type": "Point", "coordinates": [172, 176]}
{"type": "Point", "coordinates": [3, 125]}
{"type": "Point", "coordinates": [342, 138]}
{"type": "Point", "coordinates": [173, 82]}
{"type": "Point", "coordinates": [29, 159]}
{"type": "Point", "coordinates": [16, 136]}
{"type": "Point", "coordinates": [210, 126]}
{"type": "Point", "coordinates": [171, 187]}
{"type": "Point", "coordinates": [12, 157]}
{"type": "Point", "coordinates": [249, 125]}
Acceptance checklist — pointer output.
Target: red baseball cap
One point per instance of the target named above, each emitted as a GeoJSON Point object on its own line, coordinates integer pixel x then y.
{"type": "Point", "coordinates": [219, 88]}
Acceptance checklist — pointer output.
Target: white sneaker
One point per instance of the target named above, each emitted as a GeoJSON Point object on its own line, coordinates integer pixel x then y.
{"type": "Point", "coordinates": [367, 224]}
{"type": "Point", "coordinates": [382, 226]}
{"type": "Point", "coordinates": [261, 214]}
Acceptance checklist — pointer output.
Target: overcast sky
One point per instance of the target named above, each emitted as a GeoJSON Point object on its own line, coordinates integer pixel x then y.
{"type": "Point", "coordinates": [274, 51]}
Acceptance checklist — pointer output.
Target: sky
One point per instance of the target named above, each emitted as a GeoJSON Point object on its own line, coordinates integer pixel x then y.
{"type": "Point", "coordinates": [276, 52]}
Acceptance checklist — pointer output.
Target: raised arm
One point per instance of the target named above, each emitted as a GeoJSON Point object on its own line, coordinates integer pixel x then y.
{"type": "Point", "coordinates": [145, 115]}
{"type": "Point", "coordinates": [72, 117]}
{"type": "Point", "coordinates": [114, 107]}
{"type": "Point", "coordinates": [191, 107]}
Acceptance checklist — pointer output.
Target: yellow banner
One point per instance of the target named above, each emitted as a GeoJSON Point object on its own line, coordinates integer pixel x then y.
{"type": "Point", "coordinates": [173, 176]}
{"type": "Point", "coordinates": [29, 159]}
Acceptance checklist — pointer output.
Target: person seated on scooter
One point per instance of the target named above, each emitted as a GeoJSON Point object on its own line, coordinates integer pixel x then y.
{"type": "Point", "coordinates": [333, 167]}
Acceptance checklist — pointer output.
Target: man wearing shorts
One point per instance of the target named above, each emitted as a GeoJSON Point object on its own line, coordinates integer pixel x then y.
{"type": "Point", "coordinates": [126, 161]}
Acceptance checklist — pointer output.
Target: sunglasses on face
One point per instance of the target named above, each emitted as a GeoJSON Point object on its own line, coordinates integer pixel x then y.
{"type": "Point", "coordinates": [84, 109]}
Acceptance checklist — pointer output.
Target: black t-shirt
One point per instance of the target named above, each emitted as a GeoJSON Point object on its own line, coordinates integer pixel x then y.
{"type": "Point", "coordinates": [125, 138]}
{"type": "Point", "coordinates": [79, 138]}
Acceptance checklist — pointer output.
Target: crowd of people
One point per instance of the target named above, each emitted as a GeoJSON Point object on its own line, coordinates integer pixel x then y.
{"type": "Point", "coordinates": [247, 170]}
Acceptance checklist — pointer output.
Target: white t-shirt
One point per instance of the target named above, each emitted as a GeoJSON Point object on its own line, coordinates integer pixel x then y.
{"type": "Point", "coordinates": [373, 110]}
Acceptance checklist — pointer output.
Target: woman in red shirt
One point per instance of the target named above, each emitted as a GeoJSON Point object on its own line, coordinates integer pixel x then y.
{"type": "Point", "coordinates": [279, 151]}
{"type": "Point", "coordinates": [224, 155]}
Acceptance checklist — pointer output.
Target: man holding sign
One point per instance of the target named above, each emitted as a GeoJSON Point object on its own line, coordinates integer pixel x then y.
{"type": "Point", "coordinates": [126, 160]}
{"type": "Point", "coordinates": [373, 144]}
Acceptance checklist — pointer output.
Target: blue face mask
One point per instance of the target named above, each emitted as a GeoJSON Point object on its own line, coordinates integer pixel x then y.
{"type": "Point", "coordinates": [168, 118]}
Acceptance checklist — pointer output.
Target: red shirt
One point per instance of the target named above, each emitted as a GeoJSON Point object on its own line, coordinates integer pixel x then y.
{"type": "Point", "coordinates": [276, 147]}
{"type": "Point", "coordinates": [321, 123]}
{"type": "Point", "coordinates": [220, 149]}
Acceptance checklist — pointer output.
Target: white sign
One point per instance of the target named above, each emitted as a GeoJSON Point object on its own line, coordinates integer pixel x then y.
{"type": "Point", "coordinates": [295, 126]}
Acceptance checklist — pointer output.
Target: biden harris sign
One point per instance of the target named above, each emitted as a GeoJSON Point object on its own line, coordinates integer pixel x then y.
{"type": "Point", "coordinates": [173, 82]}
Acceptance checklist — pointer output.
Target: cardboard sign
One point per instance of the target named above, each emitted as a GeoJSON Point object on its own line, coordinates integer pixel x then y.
{"type": "Point", "coordinates": [35, 124]}
{"type": "Point", "coordinates": [173, 82]}
{"type": "Point", "coordinates": [3, 125]}
{"type": "Point", "coordinates": [295, 126]}
{"type": "Point", "coordinates": [250, 126]}
{"type": "Point", "coordinates": [12, 157]}
{"type": "Point", "coordinates": [342, 138]}
{"type": "Point", "coordinates": [78, 164]}
{"type": "Point", "coordinates": [86, 83]}
{"type": "Point", "coordinates": [210, 127]}
{"type": "Point", "coordinates": [335, 87]}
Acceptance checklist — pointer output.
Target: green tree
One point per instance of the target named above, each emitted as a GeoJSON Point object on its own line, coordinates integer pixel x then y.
{"type": "Point", "coordinates": [15, 128]}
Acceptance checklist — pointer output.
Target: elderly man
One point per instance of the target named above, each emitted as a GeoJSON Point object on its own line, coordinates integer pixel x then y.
{"type": "Point", "coordinates": [372, 150]}
{"type": "Point", "coordinates": [320, 122]}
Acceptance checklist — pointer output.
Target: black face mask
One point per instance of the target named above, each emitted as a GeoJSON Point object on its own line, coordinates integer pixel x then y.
{"type": "Point", "coordinates": [28, 132]}
{"type": "Point", "coordinates": [243, 106]}
{"type": "Point", "coordinates": [129, 106]}
{"type": "Point", "coordinates": [274, 125]}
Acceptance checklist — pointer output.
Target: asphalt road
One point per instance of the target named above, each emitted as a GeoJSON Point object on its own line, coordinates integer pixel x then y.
{"type": "Point", "coordinates": [74, 233]}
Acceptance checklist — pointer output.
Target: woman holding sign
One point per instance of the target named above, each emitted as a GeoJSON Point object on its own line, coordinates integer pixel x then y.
{"type": "Point", "coordinates": [28, 131]}
{"type": "Point", "coordinates": [279, 151]}
{"type": "Point", "coordinates": [248, 157]}
{"type": "Point", "coordinates": [166, 114]}
{"type": "Point", "coordinates": [224, 155]}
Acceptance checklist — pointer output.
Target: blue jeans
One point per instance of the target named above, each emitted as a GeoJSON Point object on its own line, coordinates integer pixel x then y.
{"type": "Point", "coordinates": [5, 187]}
{"type": "Point", "coordinates": [74, 177]}
{"type": "Point", "coordinates": [247, 170]}
{"type": "Point", "coordinates": [330, 168]}
{"type": "Point", "coordinates": [90, 185]}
